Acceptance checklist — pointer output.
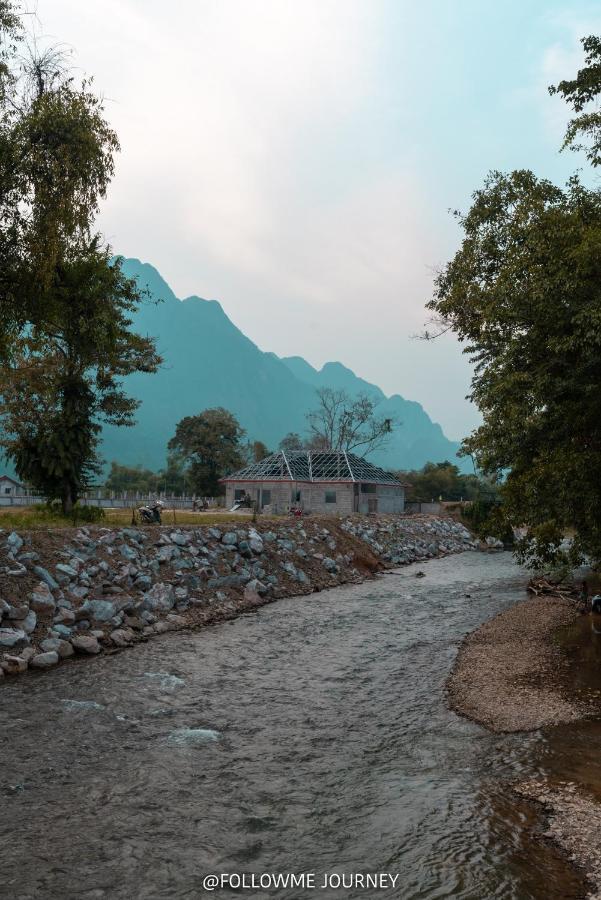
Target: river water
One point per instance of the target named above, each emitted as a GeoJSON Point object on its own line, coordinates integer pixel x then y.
{"type": "Point", "coordinates": [309, 737]}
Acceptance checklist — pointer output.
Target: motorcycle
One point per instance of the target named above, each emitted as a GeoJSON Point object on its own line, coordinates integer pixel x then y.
{"type": "Point", "coordinates": [151, 514]}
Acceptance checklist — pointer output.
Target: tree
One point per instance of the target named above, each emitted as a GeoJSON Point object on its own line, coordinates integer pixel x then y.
{"type": "Point", "coordinates": [170, 480]}
{"type": "Point", "coordinates": [581, 93]}
{"type": "Point", "coordinates": [444, 480]}
{"type": "Point", "coordinates": [524, 294]}
{"type": "Point", "coordinates": [291, 443]}
{"type": "Point", "coordinates": [65, 306]}
{"type": "Point", "coordinates": [131, 478]}
{"type": "Point", "coordinates": [344, 423]}
{"type": "Point", "coordinates": [256, 451]}
{"type": "Point", "coordinates": [61, 380]}
{"type": "Point", "coordinates": [210, 445]}
{"type": "Point", "coordinates": [173, 479]}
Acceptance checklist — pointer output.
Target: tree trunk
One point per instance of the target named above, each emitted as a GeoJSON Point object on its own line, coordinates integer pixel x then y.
{"type": "Point", "coordinates": [67, 500]}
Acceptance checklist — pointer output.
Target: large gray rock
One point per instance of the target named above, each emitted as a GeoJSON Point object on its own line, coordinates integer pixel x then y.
{"type": "Point", "coordinates": [42, 599]}
{"type": "Point", "coordinates": [98, 610]}
{"type": "Point", "coordinates": [46, 577]}
{"type": "Point", "coordinates": [143, 582]}
{"type": "Point", "coordinates": [230, 539]}
{"type": "Point", "coordinates": [64, 617]}
{"type": "Point", "coordinates": [56, 645]}
{"type": "Point", "coordinates": [29, 622]}
{"type": "Point", "coordinates": [166, 553]}
{"type": "Point", "coordinates": [160, 598]}
{"type": "Point", "coordinates": [122, 637]}
{"type": "Point", "coordinates": [17, 613]}
{"type": "Point", "coordinates": [85, 643]}
{"type": "Point", "coordinates": [62, 631]}
{"type": "Point", "coordinates": [128, 552]}
{"type": "Point", "coordinates": [66, 570]}
{"type": "Point", "coordinates": [14, 542]}
{"type": "Point", "coordinates": [13, 638]}
{"type": "Point", "coordinates": [45, 660]}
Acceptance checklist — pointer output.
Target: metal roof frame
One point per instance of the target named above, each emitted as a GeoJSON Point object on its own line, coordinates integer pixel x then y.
{"type": "Point", "coordinates": [314, 466]}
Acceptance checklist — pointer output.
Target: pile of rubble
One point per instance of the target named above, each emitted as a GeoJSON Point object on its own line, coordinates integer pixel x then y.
{"type": "Point", "coordinates": [403, 540]}
{"type": "Point", "coordinates": [82, 591]}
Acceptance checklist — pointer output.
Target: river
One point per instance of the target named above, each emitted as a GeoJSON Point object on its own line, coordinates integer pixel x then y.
{"type": "Point", "coordinates": [312, 736]}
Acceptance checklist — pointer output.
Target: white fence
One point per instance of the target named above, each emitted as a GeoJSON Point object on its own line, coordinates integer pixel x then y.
{"type": "Point", "coordinates": [125, 500]}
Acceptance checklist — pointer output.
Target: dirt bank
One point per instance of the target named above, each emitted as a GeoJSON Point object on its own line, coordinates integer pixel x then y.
{"type": "Point", "coordinates": [78, 592]}
{"type": "Point", "coordinates": [510, 674]}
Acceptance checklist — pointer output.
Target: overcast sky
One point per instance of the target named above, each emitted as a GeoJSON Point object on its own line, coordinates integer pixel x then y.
{"type": "Point", "coordinates": [296, 159]}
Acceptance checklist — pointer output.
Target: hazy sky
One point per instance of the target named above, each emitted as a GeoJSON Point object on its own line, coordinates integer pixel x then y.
{"type": "Point", "coordinates": [296, 159]}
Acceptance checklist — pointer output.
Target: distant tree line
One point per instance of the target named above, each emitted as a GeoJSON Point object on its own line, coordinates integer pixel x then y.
{"type": "Point", "coordinates": [444, 481]}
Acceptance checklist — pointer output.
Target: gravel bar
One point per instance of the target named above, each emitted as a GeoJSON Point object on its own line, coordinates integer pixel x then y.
{"type": "Point", "coordinates": [509, 673]}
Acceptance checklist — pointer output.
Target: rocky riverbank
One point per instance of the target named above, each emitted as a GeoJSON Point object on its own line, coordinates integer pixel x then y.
{"type": "Point", "coordinates": [79, 592]}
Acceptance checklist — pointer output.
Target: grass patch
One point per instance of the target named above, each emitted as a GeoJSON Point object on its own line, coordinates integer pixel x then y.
{"type": "Point", "coordinates": [32, 517]}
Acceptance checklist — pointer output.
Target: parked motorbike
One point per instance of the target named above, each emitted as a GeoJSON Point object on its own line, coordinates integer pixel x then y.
{"type": "Point", "coordinates": [151, 514]}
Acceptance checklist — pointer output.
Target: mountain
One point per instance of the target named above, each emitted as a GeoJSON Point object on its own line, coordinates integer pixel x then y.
{"type": "Point", "coordinates": [416, 441]}
{"type": "Point", "coordinates": [209, 362]}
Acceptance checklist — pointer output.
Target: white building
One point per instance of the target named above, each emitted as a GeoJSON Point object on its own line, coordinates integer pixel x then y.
{"type": "Point", "coordinates": [10, 487]}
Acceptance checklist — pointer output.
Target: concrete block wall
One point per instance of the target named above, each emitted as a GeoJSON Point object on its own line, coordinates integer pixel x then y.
{"type": "Point", "coordinates": [389, 498]}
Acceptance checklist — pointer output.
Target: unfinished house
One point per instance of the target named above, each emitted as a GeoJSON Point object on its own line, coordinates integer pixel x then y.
{"type": "Point", "coordinates": [317, 482]}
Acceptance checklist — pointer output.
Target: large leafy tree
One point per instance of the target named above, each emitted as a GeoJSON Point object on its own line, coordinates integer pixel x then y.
{"type": "Point", "coordinates": [66, 307]}
{"type": "Point", "coordinates": [62, 379]}
{"type": "Point", "coordinates": [211, 445]}
{"type": "Point", "coordinates": [524, 294]}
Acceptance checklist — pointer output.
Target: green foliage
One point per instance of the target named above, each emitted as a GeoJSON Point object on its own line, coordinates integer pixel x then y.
{"type": "Point", "coordinates": [80, 514]}
{"type": "Point", "coordinates": [65, 307]}
{"type": "Point", "coordinates": [173, 479]}
{"type": "Point", "coordinates": [256, 451]}
{"type": "Point", "coordinates": [443, 481]}
{"type": "Point", "coordinates": [210, 445]}
{"type": "Point", "coordinates": [524, 294]}
{"type": "Point", "coordinates": [486, 517]}
{"type": "Point", "coordinates": [581, 93]}
{"type": "Point", "coordinates": [131, 478]}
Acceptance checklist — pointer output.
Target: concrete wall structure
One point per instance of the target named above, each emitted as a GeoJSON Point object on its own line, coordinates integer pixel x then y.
{"type": "Point", "coordinates": [335, 497]}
